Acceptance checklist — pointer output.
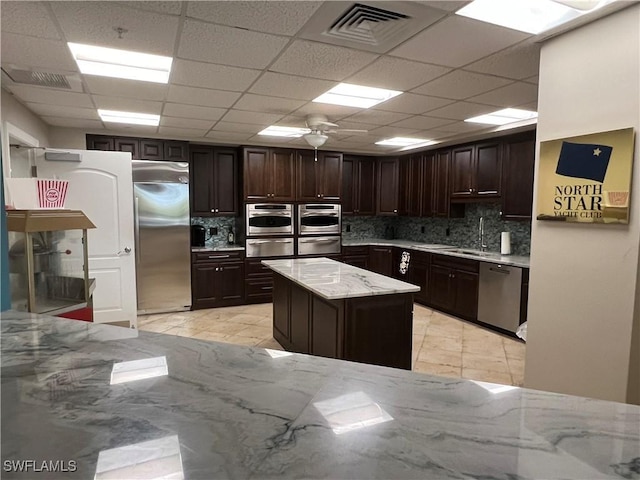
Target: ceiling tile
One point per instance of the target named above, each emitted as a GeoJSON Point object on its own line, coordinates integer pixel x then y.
{"type": "Point", "coordinates": [377, 117]}
{"type": "Point", "coordinates": [193, 111]}
{"type": "Point", "coordinates": [276, 17]}
{"type": "Point", "coordinates": [462, 127]}
{"type": "Point", "coordinates": [364, 139]}
{"type": "Point", "coordinates": [455, 41]}
{"type": "Point", "coordinates": [461, 110]}
{"type": "Point", "coordinates": [131, 130]}
{"type": "Point", "coordinates": [238, 127]}
{"type": "Point", "coordinates": [51, 96]}
{"type": "Point", "coordinates": [420, 122]}
{"type": "Point", "coordinates": [36, 53]}
{"type": "Point", "coordinates": [518, 62]}
{"type": "Point", "coordinates": [198, 74]}
{"type": "Point", "coordinates": [261, 103]}
{"type": "Point", "coordinates": [413, 104]}
{"type": "Point", "coordinates": [119, 87]}
{"type": "Point", "coordinates": [447, 5]}
{"type": "Point", "coordinates": [228, 136]}
{"type": "Point", "coordinates": [333, 112]}
{"type": "Point", "coordinates": [174, 132]}
{"type": "Point", "coordinates": [383, 73]}
{"type": "Point", "coordinates": [512, 95]}
{"type": "Point", "coordinates": [73, 122]}
{"type": "Point", "coordinates": [350, 125]}
{"type": "Point", "coordinates": [289, 86]}
{"type": "Point", "coordinates": [228, 46]}
{"type": "Point", "coordinates": [127, 104]}
{"type": "Point", "coordinates": [319, 60]}
{"type": "Point", "coordinates": [28, 18]}
{"type": "Point", "coordinates": [201, 96]}
{"type": "Point", "coordinates": [172, 8]}
{"type": "Point", "coordinates": [60, 111]}
{"type": "Point", "coordinates": [94, 22]}
{"type": "Point", "coordinates": [192, 123]}
{"type": "Point", "coordinates": [241, 116]}
{"type": "Point", "coordinates": [460, 84]}
{"type": "Point", "coordinates": [389, 132]}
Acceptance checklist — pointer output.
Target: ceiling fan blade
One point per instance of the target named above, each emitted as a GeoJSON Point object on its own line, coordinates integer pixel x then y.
{"type": "Point", "coordinates": [349, 131]}
{"type": "Point", "coordinates": [328, 124]}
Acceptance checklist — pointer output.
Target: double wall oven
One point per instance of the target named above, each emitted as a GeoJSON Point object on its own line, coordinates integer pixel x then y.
{"type": "Point", "coordinates": [271, 229]}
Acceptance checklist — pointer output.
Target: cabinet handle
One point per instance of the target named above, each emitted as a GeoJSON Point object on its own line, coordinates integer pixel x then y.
{"type": "Point", "coordinates": [318, 195]}
{"type": "Point", "coordinates": [213, 210]}
{"type": "Point", "coordinates": [267, 288]}
{"type": "Point", "coordinates": [217, 210]}
{"type": "Point", "coordinates": [470, 190]}
{"type": "Point", "coordinates": [395, 211]}
{"type": "Point", "coordinates": [218, 256]}
{"type": "Point", "coordinates": [220, 269]}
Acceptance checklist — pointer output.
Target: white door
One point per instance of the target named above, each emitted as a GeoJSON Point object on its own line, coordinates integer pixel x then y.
{"type": "Point", "coordinates": [101, 186]}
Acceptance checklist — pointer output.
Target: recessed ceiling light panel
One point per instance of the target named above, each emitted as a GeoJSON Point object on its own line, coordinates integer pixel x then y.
{"type": "Point", "coordinates": [404, 142]}
{"type": "Point", "coordinates": [351, 95]}
{"type": "Point", "coordinates": [133, 118]}
{"type": "Point", "coordinates": [290, 132]}
{"type": "Point", "coordinates": [504, 117]}
{"type": "Point", "coordinates": [111, 62]}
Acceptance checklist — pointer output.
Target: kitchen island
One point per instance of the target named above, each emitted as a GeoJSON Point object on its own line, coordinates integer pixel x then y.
{"type": "Point", "coordinates": [335, 310]}
{"type": "Point", "coordinates": [227, 411]}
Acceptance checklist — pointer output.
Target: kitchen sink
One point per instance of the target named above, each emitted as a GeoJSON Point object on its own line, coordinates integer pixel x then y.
{"type": "Point", "coordinates": [477, 253]}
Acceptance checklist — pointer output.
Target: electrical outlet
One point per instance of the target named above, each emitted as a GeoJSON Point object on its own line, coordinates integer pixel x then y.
{"type": "Point", "coordinates": [448, 231]}
{"type": "Point", "coordinates": [422, 229]}
{"type": "Point", "coordinates": [213, 231]}
{"type": "Point", "coordinates": [348, 228]}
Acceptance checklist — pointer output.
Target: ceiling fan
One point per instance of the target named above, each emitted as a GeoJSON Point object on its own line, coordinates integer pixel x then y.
{"type": "Point", "coordinates": [319, 126]}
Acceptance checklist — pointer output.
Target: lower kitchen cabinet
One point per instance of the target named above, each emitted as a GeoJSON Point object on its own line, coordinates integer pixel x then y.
{"type": "Point", "coordinates": [217, 279]}
{"type": "Point", "coordinates": [381, 260]}
{"type": "Point", "coordinates": [418, 274]}
{"type": "Point", "coordinates": [358, 256]}
{"type": "Point", "coordinates": [258, 281]}
{"type": "Point", "coordinates": [453, 286]}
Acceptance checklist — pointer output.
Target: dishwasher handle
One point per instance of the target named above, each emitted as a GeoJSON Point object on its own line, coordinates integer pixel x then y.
{"type": "Point", "coordinates": [499, 269]}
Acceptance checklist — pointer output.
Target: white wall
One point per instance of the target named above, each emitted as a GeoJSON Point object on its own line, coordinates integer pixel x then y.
{"type": "Point", "coordinates": [20, 116]}
{"type": "Point", "coordinates": [583, 287]}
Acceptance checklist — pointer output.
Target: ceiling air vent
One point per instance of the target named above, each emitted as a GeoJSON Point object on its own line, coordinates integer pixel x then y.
{"type": "Point", "coordinates": [40, 79]}
{"type": "Point", "coordinates": [367, 24]}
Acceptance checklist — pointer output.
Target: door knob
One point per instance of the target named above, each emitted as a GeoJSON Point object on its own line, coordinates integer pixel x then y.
{"type": "Point", "coordinates": [126, 251]}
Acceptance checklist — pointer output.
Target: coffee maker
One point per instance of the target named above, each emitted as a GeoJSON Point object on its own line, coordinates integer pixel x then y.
{"type": "Point", "coordinates": [198, 235]}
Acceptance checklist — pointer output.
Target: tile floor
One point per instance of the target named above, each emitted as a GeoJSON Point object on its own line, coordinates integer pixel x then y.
{"type": "Point", "coordinates": [442, 345]}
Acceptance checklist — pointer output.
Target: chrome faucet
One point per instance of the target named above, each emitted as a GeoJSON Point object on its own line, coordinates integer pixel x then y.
{"type": "Point", "coordinates": [483, 246]}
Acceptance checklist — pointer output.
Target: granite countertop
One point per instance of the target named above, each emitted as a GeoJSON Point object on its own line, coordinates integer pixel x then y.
{"type": "Point", "coordinates": [219, 248]}
{"type": "Point", "coordinates": [227, 411]}
{"type": "Point", "coordinates": [335, 280]}
{"type": "Point", "coordinates": [493, 257]}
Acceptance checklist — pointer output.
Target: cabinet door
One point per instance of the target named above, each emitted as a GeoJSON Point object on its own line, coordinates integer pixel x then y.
{"type": "Point", "coordinates": [466, 294]}
{"type": "Point", "coordinates": [349, 187]}
{"type": "Point", "coordinates": [429, 185]}
{"type": "Point", "coordinates": [415, 189]}
{"type": "Point", "coordinates": [488, 170]}
{"type": "Point", "coordinates": [256, 174]}
{"type": "Point", "coordinates": [419, 275]}
{"type": "Point", "coordinates": [151, 149]}
{"type": "Point", "coordinates": [201, 173]}
{"type": "Point", "coordinates": [518, 164]}
{"type": "Point", "coordinates": [366, 181]}
{"type": "Point", "coordinates": [387, 186]}
{"type": "Point", "coordinates": [441, 293]}
{"type": "Point", "coordinates": [461, 172]}
{"type": "Point", "coordinates": [308, 172]}
{"type": "Point", "coordinates": [204, 284]}
{"type": "Point", "coordinates": [441, 197]}
{"type": "Point", "coordinates": [381, 260]}
{"type": "Point", "coordinates": [176, 151]}
{"type": "Point", "coordinates": [125, 144]}
{"type": "Point", "coordinates": [360, 261]}
{"type": "Point", "coordinates": [225, 181]}
{"type": "Point", "coordinates": [282, 174]}
{"type": "Point", "coordinates": [330, 181]}
{"type": "Point", "coordinates": [231, 282]}
{"type": "Point", "coordinates": [100, 142]}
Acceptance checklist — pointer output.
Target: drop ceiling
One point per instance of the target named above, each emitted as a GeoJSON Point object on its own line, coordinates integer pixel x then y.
{"type": "Point", "coordinates": [242, 66]}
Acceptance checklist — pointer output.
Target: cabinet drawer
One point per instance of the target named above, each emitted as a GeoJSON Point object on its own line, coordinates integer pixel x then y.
{"type": "Point", "coordinates": [255, 268]}
{"type": "Point", "coordinates": [258, 290]}
{"type": "Point", "coordinates": [359, 250]}
{"type": "Point", "coordinates": [463, 264]}
{"type": "Point", "coordinates": [223, 256]}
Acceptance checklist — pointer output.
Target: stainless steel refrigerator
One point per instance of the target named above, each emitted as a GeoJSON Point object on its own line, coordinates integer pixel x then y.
{"type": "Point", "coordinates": [162, 231]}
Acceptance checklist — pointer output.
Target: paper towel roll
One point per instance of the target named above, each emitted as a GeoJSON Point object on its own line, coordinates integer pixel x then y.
{"type": "Point", "coordinates": [505, 243]}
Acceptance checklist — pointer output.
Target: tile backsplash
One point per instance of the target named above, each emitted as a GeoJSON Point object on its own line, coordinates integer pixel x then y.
{"type": "Point", "coordinates": [222, 224]}
{"type": "Point", "coordinates": [463, 232]}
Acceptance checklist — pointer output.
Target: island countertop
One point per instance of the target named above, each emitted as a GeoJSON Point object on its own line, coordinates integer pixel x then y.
{"type": "Point", "coordinates": [336, 280]}
{"type": "Point", "coordinates": [227, 411]}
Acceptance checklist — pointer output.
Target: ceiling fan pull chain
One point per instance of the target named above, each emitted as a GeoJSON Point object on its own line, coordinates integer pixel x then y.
{"type": "Point", "coordinates": [315, 151]}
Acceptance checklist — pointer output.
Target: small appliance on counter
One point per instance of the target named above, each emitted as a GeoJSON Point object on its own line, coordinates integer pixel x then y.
{"type": "Point", "coordinates": [198, 235]}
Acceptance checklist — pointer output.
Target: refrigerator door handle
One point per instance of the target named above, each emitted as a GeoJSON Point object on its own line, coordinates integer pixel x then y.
{"type": "Point", "coordinates": [136, 220]}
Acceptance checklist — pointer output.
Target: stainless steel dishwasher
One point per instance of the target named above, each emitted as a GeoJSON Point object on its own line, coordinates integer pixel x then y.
{"type": "Point", "coordinates": [499, 295]}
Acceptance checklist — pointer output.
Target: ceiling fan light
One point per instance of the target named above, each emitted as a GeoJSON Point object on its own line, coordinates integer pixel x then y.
{"type": "Point", "coordinates": [315, 139]}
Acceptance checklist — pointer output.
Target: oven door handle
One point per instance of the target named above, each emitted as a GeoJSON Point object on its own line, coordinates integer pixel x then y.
{"type": "Point", "coordinates": [331, 214]}
{"type": "Point", "coordinates": [319, 240]}
{"type": "Point", "coordinates": [269, 214]}
{"type": "Point", "coordinates": [256, 242]}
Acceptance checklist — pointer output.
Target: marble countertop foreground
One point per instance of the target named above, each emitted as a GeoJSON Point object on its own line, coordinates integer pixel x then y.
{"type": "Point", "coordinates": [493, 257]}
{"type": "Point", "coordinates": [335, 280]}
{"type": "Point", "coordinates": [210, 410]}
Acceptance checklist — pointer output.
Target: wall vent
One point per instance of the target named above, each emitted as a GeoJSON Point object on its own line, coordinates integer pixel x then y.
{"type": "Point", "coordinates": [14, 75]}
{"type": "Point", "coordinates": [367, 24]}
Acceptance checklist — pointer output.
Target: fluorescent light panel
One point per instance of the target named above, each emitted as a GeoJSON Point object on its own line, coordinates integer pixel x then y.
{"type": "Point", "coordinates": [133, 118]}
{"type": "Point", "coordinates": [530, 16]}
{"type": "Point", "coordinates": [404, 142]}
{"type": "Point", "coordinates": [290, 132]}
{"type": "Point", "coordinates": [110, 62]}
{"type": "Point", "coordinates": [351, 95]}
{"type": "Point", "coordinates": [503, 117]}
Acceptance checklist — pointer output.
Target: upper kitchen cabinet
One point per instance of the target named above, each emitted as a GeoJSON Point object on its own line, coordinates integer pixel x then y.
{"type": "Point", "coordinates": [141, 148]}
{"type": "Point", "coordinates": [476, 171]}
{"type": "Point", "coordinates": [358, 185]}
{"type": "Point", "coordinates": [269, 174]}
{"type": "Point", "coordinates": [214, 177]}
{"type": "Point", "coordinates": [436, 200]}
{"type": "Point", "coordinates": [388, 175]}
{"type": "Point", "coordinates": [100, 142]}
{"type": "Point", "coordinates": [319, 176]}
{"type": "Point", "coordinates": [518, 165]}
{"type": "Point", "coordinates": [412, 189]}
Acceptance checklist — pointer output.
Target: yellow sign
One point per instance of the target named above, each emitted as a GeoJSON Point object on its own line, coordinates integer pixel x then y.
{"type": "Point", "coordinates": [586, 178]}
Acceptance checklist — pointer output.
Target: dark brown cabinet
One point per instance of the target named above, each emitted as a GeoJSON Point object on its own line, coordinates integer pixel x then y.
{"type": "Point", "coordinates": [358, 185]}
{"type": "Point", "coordinates": [269, 174]}
{"type": "Point", "coordinates": [319, 176]}
{"type": "Point", "coordinates": [518, 165]}
{"type": "Point", "coordinates": [381, 260]}
{"type": "Point", "coordinates": [453, 286]}
{"type": "Point", "coordinates": [217, 279]}
{"type": "Point", "coordinates": [100, 142]}
{"type": "Point", "coordinates": [356, 256]}
{"type": "Point", "coordinates": [436, 200]}
{"type": "Point", "coordinates": [411, 190]}
{"type": "Point", "coordinates": [141, 148]}
{"type": "Point", "coordinates": [476, 171]}
{"type": "Point", "coordinates": [418, 274]}
{"type": "Point", "coordinates": [214, 178]}
{"type": "Point", "coordinates": [258, 281]}
{"type": "Point", "coordinates": [151, 149]}
{"type": "Point", "coordinates": [387, 186]}
{"type": "Point", "coordinates": [131, 145]}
